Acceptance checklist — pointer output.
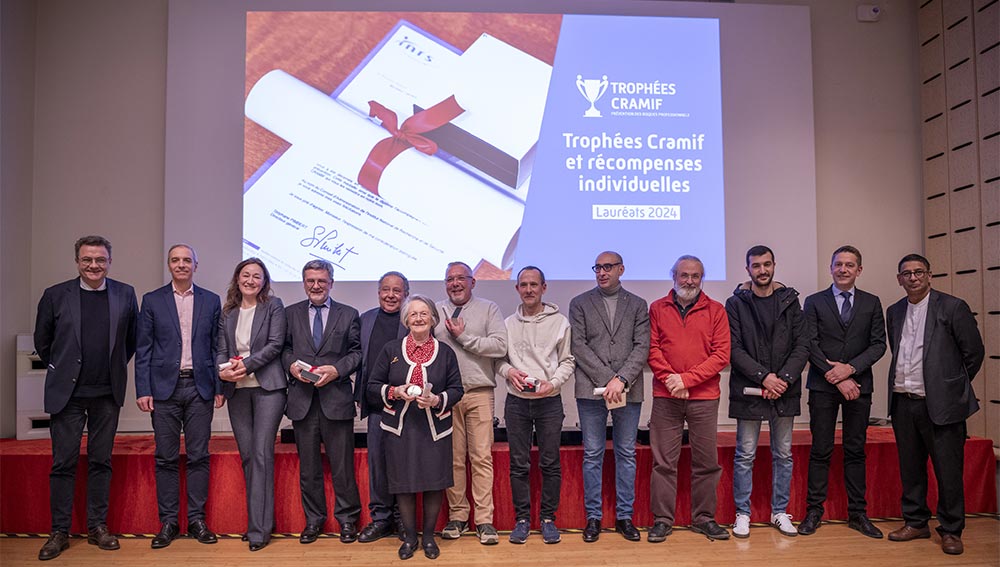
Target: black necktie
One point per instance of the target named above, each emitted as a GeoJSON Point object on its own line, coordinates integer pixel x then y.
{"type": "Point", "coordinates": [845, 309]}
{"type": "Point", "coordinates": [318, 325]}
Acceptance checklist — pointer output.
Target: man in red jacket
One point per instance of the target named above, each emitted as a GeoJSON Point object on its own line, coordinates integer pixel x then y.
{"type": "Point", "coordinates": [688, 347]}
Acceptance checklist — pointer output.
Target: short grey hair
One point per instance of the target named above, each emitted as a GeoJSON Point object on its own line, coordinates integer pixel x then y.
{"type": "Point", "coordinates": [404, 313]}
{"type": "Point", "coordinates": [318, 265]}
{"type": "Point", "coordinates": [194, 254]}
{"type": "Point", "coordinates": [406, 282]}
{"type": "Point", "coordinates": [684, 258]}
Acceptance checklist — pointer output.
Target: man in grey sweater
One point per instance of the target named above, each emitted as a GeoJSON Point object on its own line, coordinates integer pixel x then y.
{"type": "Point", "coordinates": [474, 329]}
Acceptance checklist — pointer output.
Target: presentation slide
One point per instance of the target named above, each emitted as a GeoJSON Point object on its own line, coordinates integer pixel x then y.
{"type": "Point", "coordinates": [499, 140]}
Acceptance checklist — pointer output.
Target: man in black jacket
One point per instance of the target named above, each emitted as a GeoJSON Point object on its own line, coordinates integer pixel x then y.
{"type": "Point", "coordinates": [936, 352]}
{"type": "Point", "coordinates": [846, 337]}
{"type": "Point", "coordinates": [769, 350]}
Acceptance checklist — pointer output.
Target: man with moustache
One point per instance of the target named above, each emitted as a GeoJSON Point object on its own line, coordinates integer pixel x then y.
{"type": "Point", "coordinates": [326, 336]}
{"type": "Point", "coordinates": [846, 337]}
{"type": "Point", "coordinates": [936, 352]}
{"type": "Point", "coordinates": [769, 349]}
{"type": "Point", "coordinates": [379, 326]}
{"type": "Point", "coordinates": [474, 329]}
{"type": "Point", "coordinates": [610, 343]}
{"type": "Point", "coordinates": [177, 383]}
{"type": "Point", "coordinates": [688, 348]}
{"type": "Point", "coordinates": [538, 363]}
{"type": "Point", "coordinates": [84, 335]}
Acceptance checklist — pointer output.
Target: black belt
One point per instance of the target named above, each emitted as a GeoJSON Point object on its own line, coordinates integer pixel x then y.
{"type": "Point", "coordinates": [909, 395]}
{"type": "Point", "coordinates": [186, 374]}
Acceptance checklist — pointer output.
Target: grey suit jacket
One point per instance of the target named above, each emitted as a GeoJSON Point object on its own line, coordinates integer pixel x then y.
{"type": "Point", "coordinates": [340, 347]}
{"type": "Point", "coordinates": [953, 354]}
{"type": "Point", "coordinates": [603, 348]}
{"type": "Point", "coordinates": [267, 340]}
{"type": "Point", "coordinates": [57, 339]}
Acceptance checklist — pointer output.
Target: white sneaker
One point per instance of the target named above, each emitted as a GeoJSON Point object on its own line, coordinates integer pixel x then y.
{"type": "Point", "coordinates": [741, 528]}
{"type": "Point", "coordinates": [783, 522]}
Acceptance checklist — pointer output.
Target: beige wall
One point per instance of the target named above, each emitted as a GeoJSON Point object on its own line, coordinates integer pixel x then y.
{"type": "Point", "coordinates": [98, 148]}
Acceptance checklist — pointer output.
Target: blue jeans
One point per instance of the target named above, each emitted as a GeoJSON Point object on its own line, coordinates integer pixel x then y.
{"type": "Point", "coordinates": [593, 427]}
{"type": "Point", "coordinates": [747, 434]}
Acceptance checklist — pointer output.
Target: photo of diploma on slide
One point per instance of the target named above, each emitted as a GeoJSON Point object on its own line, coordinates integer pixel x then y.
{"type": "Point", "coordinates": [411, 163]}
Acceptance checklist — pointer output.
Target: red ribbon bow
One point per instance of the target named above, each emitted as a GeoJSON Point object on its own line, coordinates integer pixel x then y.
{"type": "Point", "coordinates": [404, 137]}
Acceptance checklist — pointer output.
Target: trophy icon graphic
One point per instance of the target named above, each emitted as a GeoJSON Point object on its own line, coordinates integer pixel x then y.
{"type": "Point", "coordinates": [592, 90]}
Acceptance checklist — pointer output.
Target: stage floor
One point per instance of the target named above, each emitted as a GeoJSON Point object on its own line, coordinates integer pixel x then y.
{"type": "Point", "coordinates": [832, 545]}
{"type": "Point", "coordinates": [24, 487]}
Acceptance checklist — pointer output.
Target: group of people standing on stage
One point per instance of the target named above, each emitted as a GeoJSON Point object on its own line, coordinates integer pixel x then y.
{"type": "Point", "coordinates": [425, 376]}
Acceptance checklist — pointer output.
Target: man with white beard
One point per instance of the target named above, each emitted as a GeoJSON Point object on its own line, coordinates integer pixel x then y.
{"type": "Point", "coordinates": [688, 348]}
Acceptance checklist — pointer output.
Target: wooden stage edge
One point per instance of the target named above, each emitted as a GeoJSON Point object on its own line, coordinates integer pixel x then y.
{"type": "Point", "coordinates": [833, 544]}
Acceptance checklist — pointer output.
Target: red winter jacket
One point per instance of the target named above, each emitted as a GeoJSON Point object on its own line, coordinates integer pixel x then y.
{"type": "Point", "coordinates": [696, 347]}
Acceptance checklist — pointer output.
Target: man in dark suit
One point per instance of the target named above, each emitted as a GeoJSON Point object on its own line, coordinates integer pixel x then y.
{"type": "Point", "coordinates": [177, 383]}
{"type": "Point", "coordinates": [936, 352]}
{"type": "Point", "coordinates": [379, 326]}
{"type": "Point", "coordinates": [609, 327]}
{"type": "Point", "coordinates": [326, 336]}
{"type": "Point", "coordinates": [85, 335]}
{"type": "Point", "coordinates": [846, 337]}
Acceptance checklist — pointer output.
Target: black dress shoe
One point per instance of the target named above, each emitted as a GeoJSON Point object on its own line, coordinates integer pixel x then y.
{"type": "Point", "coordinates": [348, 532]}
{"type": "Point", "coordinates": [862, 524]}
{"type": "Point", "coordinates": [244, 537]}
{"type": "Point", "coordinates": [407, 550]}
{"type": "Point", "coordinates": [56, 544]}
{"type": "Point", "coordinates": [659, 532]}
{"type": "Point", "coordinates": [102, 538]}
{"type": "Point", "coordinates": [592, 531]}
{"type": "Point", "coordinates": [627, 529]}
{"type": "Point", "coordinates": [399, 529]}
{"type": "Point", "coordinates": [198, 529]}
{"type": "Point", "coordinates": [168, 531]}
{"type": "Point", "coordinates": [375, 531]}
{"type": "Point", "coordinates": [310, 533]}
{"type": "Point", "coordinates": [431, 549]}
{"type": "Point", "coordinates": [257, 545]}
{"type": "Point", "coordinates": [812, 522]}
{"type": "Point", "coordinates": [710, 529]}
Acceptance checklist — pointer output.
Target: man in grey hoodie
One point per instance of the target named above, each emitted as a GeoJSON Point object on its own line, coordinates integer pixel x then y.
{"type": "Point", "coordinates": [538, 363]}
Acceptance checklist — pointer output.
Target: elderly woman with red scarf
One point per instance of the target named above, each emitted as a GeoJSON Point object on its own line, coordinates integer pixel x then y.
{"type": "Point", "coordinates": [417, 380]}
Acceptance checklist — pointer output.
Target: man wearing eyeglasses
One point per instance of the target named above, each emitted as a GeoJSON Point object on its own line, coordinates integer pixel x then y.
{"type": "Point", "coordinates": [474, 329]}
{"type": "Point", "coordinates": [610, 342]}
{"type": "Point", "coordinates": [936, 352]}
{"type": "Point", "coordinates": [85, 334]}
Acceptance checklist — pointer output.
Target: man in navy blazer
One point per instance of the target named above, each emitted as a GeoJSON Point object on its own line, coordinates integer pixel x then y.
{"type": "Point", "coordinates": [936, 352]}
{"type": "Point", "coordinates": [846, 337]}
{"type": "Point", "coordinates": [177, 382]}
{"type": "Point", "coordinates": [379, 325]}
{"type": "Point", "coordinates": [85, 335]}
{"type": "Point", "coordinates": [326, 336]}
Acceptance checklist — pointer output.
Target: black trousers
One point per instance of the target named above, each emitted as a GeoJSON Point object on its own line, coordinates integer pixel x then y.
{"type": "Point", "coordinates": [185, 411]}
{"type": "Point", "coordinates": [66, 428]}
{"type": "Point", "coordinates": [337, 437]}
{"type": "Point", "coordinates": [917, 437]}
{"type": "Point", "coordinates": [823, 408]}
{"type": "Point", "coordinates": [545, 417]}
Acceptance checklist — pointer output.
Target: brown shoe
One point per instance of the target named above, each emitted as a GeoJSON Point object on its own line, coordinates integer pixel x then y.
{"type": "Point", "coordinates": [56, 544]}
{"type": "Point", "coordinates": [102, 538]}
{"type": "Point", "coordinates": [952, 544]}
{"type": "Point", "coordinates": [908, 533]}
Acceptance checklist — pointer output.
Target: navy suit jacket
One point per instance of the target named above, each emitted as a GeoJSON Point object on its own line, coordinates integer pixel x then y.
{"type": "Point", "coordinates": [267, 339]}
{"type": "Point", "coordinates": [860, 342]}
{"type": "Point", "coordinates": [57, 339]}
{"type": "Point", "coordinates": [158, 350]}
{"type": "Point", "coordinates": [340, 347]}
{"type": "Point", "coordinates": [361, 379]}
{"type": "Point", "coordinates": [953, 354]}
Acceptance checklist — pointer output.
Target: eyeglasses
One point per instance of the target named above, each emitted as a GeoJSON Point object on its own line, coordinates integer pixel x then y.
{"type": "Point", "coordinates": [86, 261]}
{"type": "Point", "coordinates": [918, 274]}
{"type": "Point", "coordinates": [598, 268]}
{"type": "Point", "coordinates": [459, 279]}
